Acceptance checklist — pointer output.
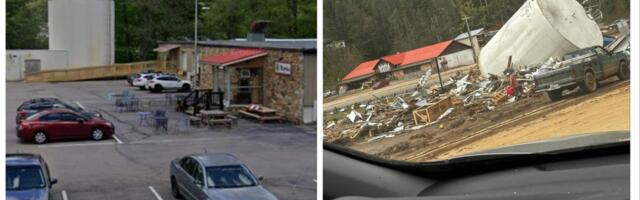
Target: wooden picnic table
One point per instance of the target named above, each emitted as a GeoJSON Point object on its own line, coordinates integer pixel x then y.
{"type": "Point", "coordinates": [261, 113]}
{"type": "Point", "coordinates": [212, 117]}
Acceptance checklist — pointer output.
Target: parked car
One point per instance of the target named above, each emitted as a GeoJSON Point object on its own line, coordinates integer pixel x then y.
{"type": "Point", "coordinates": [27, 177]}
{"type": "Point", "coordinates": [33, 106]}
{"type": "Point", "coordinates": [141, 82]}
{"type": "Point", "coordinates": [56, 124]}
{"type": "Point", "coordinates": [133, 76]}
{"type": "Point", "coordinates": [584, 68]}
{"type": "Point", "coordinates": [215, 176]}
{"type": "Point", "coordinates": [168, 82]}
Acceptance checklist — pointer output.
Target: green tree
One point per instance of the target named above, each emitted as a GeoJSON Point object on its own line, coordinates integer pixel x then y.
{"type": "Point", "coordinates": [26, 24]}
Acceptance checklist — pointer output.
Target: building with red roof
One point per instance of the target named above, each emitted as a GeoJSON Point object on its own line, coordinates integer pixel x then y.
{"type": "Point", "coordinates": [398, 65]}
{"type": "Point", "coordinates": [280, 74]}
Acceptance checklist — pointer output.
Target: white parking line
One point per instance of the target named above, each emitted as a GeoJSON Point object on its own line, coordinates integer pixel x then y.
{"type": "Point", "coordinates": [117, 139]}
{"type": "Point", "coordinates": [64, 195]}
{"type": "Point", "coordinates": [75, 144]}
{"type": "Point", "coordinates": [155, 193]}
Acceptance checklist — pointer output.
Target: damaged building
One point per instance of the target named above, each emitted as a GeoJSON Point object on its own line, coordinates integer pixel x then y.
{"type": "Point", "coordinates": [446, 55]}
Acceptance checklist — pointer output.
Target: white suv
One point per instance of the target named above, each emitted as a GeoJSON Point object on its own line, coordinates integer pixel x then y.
{"type": "Point", "coordinates": [141, 81]}
{"type": "Point", "coordinates": [167, 82]}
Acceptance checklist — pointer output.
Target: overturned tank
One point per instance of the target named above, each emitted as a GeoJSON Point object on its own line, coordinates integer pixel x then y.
{"type": "Point", "coordinates": [538, 30]}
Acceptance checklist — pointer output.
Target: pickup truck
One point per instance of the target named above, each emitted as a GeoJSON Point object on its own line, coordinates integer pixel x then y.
{"type": "Point", "coordinates": [584, 68]}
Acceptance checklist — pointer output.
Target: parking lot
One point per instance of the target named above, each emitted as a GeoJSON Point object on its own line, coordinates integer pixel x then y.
{"type": "Point", "coordinates": [135, 164]}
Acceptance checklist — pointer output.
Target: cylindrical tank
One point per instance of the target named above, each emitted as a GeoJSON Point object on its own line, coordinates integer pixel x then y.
{"type": "Point", "coordinates": [538, 30]}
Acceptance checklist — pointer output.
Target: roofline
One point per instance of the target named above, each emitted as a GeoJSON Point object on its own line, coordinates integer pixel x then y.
{"type": "Point", "coordinates": [204, 43]}
{"type": "Point", "coordinates": [237, 61]}
{"type": "Point", "coordinates": [357, 78]}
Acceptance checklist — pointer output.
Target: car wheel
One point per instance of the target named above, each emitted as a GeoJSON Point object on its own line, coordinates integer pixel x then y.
{"type": "Point", "coordinates": [623, 71]}
{"type": "Point", "coordinates": [555, 95]}
{"type": "Point", "coordinates": [589, 84]}
{"type": "Point", "coordinates": [142, 88]}
{"type": "Point", "coordinates": [157, 88]}
{"type": "Point", "coordinates": [175, 191]}
{"type": "Point", "coordinates": [40, 137]}
{"type": "Point", "coordinates": [186, 88]}
{"type": "Point", "coordinates": [97, 134]}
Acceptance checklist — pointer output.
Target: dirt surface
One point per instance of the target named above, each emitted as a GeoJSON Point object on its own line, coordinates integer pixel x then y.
{"type": "Point", "coordinates": [470, 130]}
{"type": "Point", "coordinates": [603, 113]}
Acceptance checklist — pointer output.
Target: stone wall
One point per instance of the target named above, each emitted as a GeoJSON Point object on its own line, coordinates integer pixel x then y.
{"type": "Point", "coordinates": [281, 92]}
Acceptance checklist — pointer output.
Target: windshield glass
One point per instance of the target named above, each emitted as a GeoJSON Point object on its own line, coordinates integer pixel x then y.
{"type": "Point", "coordinates": [229, 177]}
{"type": "Point", "coordinates": [441, 91]}
{"type": "Point", "coordinates": [24, 177]}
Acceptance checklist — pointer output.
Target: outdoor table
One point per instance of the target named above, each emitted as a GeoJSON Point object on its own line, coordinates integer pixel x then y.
{"type": "Point", "coordinates": [214, 116]}
{"type": "Point", "coordinates": [266, 111]}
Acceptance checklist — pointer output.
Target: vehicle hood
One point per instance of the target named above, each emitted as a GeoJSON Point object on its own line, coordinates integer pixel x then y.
{"type": "Point", "coordinates": [559, 144]}
{"type": "Point", "coordinates": [246, 193]}
{"type": "Point", "coordinates": [33, 194]}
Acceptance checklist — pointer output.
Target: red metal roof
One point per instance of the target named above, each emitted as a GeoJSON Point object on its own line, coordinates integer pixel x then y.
{"type": "Point", "coordinates": [363, 69]}
{"type": "Point", "coordinates": [395, 59]}
{"type": "Point", "coordinates": [425, 53]}
{"type": "Point", "coordinates": [233, 56]}
{"type": "Point", "coordinates": [400, 59]}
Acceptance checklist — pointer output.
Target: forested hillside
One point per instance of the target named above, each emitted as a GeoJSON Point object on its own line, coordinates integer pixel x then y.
{"type": "Point", "coordinates": [374, 28]}
{"type": "Point", "coordinates": [141, 23]}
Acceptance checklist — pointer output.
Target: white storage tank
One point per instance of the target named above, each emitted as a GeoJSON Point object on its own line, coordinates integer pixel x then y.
{"type": "Point", "coordinates": [538, 30]}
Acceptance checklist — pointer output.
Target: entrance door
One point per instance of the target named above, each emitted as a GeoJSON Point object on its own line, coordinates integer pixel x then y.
{"type": "Point", "coordinates": [248, 89]}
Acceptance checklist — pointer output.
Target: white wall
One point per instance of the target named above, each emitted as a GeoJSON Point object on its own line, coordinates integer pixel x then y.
{"type": "Point", "coordinates": [457, 59]}
{"type": "Point", "coordinates": [84, 28]}
{"type": "Point", "coordinates": [48, 60]}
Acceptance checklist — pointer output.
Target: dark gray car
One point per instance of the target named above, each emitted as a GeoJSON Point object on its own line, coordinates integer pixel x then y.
{"type": "Point", "coordinates": [212, 176]}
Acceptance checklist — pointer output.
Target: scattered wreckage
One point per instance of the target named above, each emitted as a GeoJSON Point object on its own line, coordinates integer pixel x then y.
{"type": "Point", "coordinates": [427, 105]}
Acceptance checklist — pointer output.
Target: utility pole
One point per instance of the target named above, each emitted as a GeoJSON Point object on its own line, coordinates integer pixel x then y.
{"type": "Point", "coordinates": [466, 21]}
{"type": "Point", "coordinates": [196, 55]}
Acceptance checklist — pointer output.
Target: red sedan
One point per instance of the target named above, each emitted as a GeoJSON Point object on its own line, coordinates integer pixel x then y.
{"type": "Point", "coordinates": [60, 124]}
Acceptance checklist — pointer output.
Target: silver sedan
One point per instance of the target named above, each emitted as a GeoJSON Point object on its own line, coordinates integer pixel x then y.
{"type": "Point", "coordinates": [212, 176]}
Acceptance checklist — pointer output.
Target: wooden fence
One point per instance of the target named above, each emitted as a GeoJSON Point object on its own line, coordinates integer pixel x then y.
{"type": "Point", "coordinates": [99, 72]}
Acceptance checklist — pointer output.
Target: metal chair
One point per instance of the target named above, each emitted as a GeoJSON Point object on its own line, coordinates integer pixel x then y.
{"type": "Point", "coordinates": [161, 120]}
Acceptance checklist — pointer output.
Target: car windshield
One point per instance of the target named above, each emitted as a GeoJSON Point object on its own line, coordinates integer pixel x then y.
{"type": "Point", "coordinates": [476, 94]}
{"type": "Point", "coordinates": [24, 177]}
{"type": "Point", "coordinates": [229, 177]}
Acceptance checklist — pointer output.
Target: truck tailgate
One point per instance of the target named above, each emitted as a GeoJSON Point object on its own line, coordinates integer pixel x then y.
{"type": "Point", "coordinates": [554, 79]}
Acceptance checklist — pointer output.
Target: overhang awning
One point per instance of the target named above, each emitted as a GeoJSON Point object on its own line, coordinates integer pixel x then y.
{"type": "Point", "coordinates": [233, 57]}
{"type": "Point", "coordinates": [166, 47]}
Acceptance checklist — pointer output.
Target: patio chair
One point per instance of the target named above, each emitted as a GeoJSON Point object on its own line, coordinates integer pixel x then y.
{"type": "Point", "coordinates": [161, 120]}
{"type": "Point", "coordinates": [143, 118]}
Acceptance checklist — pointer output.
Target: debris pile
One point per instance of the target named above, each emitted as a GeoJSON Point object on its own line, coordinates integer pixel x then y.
{"type": "Point", "coordinates": [428, 105]}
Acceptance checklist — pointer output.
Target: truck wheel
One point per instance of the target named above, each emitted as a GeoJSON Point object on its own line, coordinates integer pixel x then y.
{"type": "Point", "coordinates": [589, 84]}
{"type": "Point", "coordinates": [555, 95]}
{"type": "Point", "coordinates": [623, 71]}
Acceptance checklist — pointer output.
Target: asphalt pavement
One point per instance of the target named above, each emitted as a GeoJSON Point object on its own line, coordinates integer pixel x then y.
{"type": "Point", "coordinates": [135, 164]}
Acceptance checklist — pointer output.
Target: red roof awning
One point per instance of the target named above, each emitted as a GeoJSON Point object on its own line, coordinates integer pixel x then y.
{"type": "Point", "coordinates": [232, 57]}
{"type": "Point", "coordinates": [166, 47]}
{"type": "Point", "coordinates": [400, 59]}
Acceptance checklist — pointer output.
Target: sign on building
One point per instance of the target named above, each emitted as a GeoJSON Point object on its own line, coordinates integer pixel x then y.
{"type": "Point", "coordinates": [384, 67]}
{"type": "Point", "coordinates": [283, 68]}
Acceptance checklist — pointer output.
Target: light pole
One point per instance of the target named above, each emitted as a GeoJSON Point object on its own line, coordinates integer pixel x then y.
{"type": "Point", "coordinates": [196, 55]}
